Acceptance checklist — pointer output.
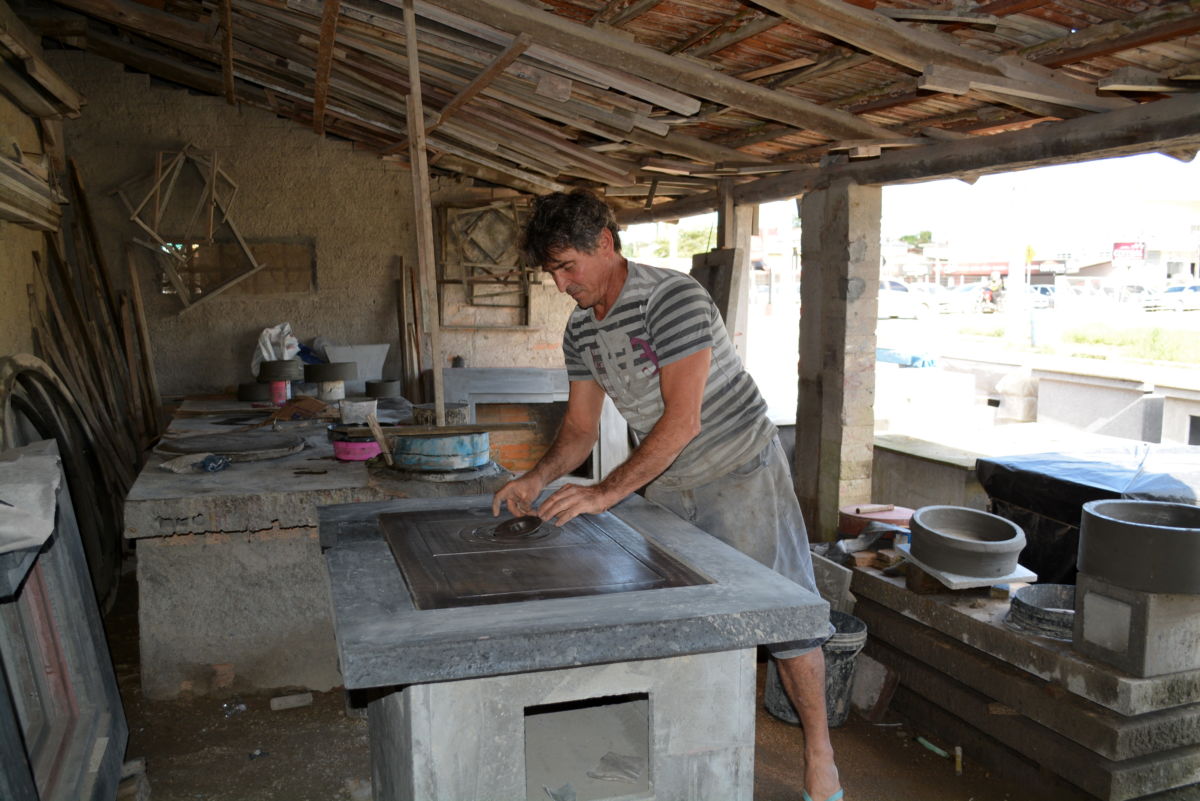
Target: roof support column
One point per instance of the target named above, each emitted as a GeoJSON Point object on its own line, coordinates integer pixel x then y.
{"type": "Point", "coordinates": [835, 415]}
{"type": "Point", "coordinates": [725, 271]}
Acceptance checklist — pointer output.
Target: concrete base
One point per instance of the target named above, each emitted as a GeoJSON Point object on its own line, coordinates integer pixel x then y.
{"type": "Point", "coordinates": [471, 740]}
{"type": "Point", "coordinates": [1143, 633]}
{"type": "Point", "coordinates": [258, 602]}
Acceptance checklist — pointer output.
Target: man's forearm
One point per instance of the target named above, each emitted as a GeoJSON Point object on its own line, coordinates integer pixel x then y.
{"type": "Point", "coordinates": [655, 454]}
{"type": "Point", "coordinates": [569, 450]}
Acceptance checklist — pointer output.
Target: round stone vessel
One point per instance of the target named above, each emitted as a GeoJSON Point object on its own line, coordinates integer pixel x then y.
{"type": "Point", "coordinates": [1149, 546]}
{"type": "Point", "coordinates": [966, 542]}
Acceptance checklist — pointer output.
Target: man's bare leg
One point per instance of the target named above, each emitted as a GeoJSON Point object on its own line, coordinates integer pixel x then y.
{"type": "Point", "coordinates": [803, 679]}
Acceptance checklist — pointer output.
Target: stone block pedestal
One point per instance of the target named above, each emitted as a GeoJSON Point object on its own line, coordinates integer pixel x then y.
{"type": "Point", "coordinates": [1142, 633]}
{"type": "Point", "coordinates": [690, 718]}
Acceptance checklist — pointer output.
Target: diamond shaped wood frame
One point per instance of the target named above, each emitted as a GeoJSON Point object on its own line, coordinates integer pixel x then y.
{"type": "Point", "coordinates": [212, 208]}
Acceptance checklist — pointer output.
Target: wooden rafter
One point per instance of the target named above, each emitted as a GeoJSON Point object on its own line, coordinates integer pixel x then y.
{"type": "Point", "coordinates": [759, 23]}
{"type": "Point", "coordinates": [917, 49]}
{"type": "Point", "coordinates": [329, 23]}
{"type": "Point", "coordinates": [634, 10]}
{"type": "Point", "coordinates": [737, 20]}
{"type": "Point", "coordinates": [145, 19]}
{"type": "Point", "coordinates": [478, 84]}
{"type": "Point", "coordinates": [555, 32]}
{"type": "Point", "coordinates": [1172, 124]}
{"type": "Point", "coordinates": [227, 51]}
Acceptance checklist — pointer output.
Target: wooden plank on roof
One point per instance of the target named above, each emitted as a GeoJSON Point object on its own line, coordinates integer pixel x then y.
{"type": "Point", "coordinates": [634, 10]}
{"type": "Point", "coordinates": [146, 20]}
{"type": "Point", "coordinates": [1165, 125]}
{"type": "Point", "coordinates": [329, 22]}
{"type": "Point", "coordinates": [761, 24]}
{"type": "Point", "coordinates": [227, 52]}
{"type": "Point", "coordinates": [23, 43]}
{"type": "Point", "coordinates": [564, 35]}
{"type": "Point", "coordinates": [937, 78]}
{"type": "Point", "coordinates": [917, 48]}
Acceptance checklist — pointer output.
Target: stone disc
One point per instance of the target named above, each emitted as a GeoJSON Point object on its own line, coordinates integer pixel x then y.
{"type": "Point", "coordinates": [334, 371]}
{"type": "Point", "coordinates": [244, 446]}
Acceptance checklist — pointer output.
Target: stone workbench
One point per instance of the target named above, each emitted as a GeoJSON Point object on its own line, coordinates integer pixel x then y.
{"type": "Point", "coordinates": [231, 586]}
{"type": "Point", "coordinates": [674, 665]}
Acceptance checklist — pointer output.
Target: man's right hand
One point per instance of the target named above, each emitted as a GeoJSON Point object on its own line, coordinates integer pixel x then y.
{"type": "Point", "coordinates": [519, 495]}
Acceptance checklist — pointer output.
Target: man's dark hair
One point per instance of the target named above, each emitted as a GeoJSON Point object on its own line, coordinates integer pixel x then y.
{"type": "Point", "coordinates": [566, 220]}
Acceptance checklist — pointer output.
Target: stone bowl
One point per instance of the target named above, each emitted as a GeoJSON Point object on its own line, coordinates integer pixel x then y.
{"type": "Point", "coordinates": [1148, 546]}
{"type": "Point", "coordinates": [966, 542]}
{"type": "Point", "coordinates": [1047, 610]}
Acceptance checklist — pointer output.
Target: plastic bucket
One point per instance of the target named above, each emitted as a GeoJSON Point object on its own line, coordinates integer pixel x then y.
{"type": "Point", "coordinates": [841, 652]}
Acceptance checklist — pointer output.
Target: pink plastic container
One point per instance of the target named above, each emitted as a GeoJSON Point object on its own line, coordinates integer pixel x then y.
{"type": "Point", "coordinates": [355, 451]}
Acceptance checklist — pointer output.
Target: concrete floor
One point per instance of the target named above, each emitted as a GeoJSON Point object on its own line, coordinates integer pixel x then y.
{"type": "Point", "coordinates": [211, 749]}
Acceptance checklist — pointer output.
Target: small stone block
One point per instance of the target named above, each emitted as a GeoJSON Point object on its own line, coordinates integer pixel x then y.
{"type": "Point", "coordinates": [291, 701]}
{"type": "Point", "coordinates": [1142, 633]}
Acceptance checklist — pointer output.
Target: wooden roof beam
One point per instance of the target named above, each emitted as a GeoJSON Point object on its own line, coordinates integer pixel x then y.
{"type": "Point", "coordinates": [227, 52]}
{"type": "Point", "coordinates": [953, 81]}
{"type": "Point", "coordinates": [552, 31]}
{"type": "Point", "coordinates": [25, 45]}
{"type": "Point", "coordinates": [749, 29]}
{"type": "Point", "coordinates": [1147, 28]}
{"type": "Point", "coordinates": [635, 9]}
{"type": "Point", "coordinates": [1166, 125]}
{"type": "Point", "coordinates": [329, 23]}
{"type": "Point", "coordinates": [481, 81]}
{"type": "Point", "coordinates": [737, 20]}
{"type": "Point", "coordinates": [916, 48]}
{"type": "Point", "coordinates": [147, 21]}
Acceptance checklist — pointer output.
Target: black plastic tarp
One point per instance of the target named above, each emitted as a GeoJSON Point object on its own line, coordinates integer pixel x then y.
{"type": "Point", "coordinates": [1044, 493]}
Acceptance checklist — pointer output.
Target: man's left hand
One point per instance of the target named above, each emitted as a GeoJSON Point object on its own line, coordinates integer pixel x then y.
{"type": "Point", "coordinates": [573, 500]}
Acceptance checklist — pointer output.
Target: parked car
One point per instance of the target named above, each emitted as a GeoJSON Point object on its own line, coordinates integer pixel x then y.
{"type": "Point", "coordinates": [970, 298]}
{"type": "Point", "coordinates": [1184, 297]}
{"type": "Point", "coordinates": [936, 296]}
{"type": "Point", "coordinates": [895, 300]}
{"type": "Point", "coordinates": [1047, 293]}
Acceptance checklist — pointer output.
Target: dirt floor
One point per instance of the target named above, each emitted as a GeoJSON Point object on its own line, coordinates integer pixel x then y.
{"type": "Point", "coordinates": [237, 749]}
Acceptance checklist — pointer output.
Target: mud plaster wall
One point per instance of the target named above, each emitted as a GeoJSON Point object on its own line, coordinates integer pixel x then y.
{"type": "Point", "coordinates": [356, 208]}
{"type": "Point", "coordinates": [17, 243]}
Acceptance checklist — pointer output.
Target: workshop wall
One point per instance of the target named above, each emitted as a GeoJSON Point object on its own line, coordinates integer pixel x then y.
{"type": "Point", "coordinates": [17, 243]}
{"type": "Point", "coordinates": [355, 208]}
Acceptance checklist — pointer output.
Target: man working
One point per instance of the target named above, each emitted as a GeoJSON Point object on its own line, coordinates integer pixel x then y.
{"type": "Point", "coordinates": [654, 342]}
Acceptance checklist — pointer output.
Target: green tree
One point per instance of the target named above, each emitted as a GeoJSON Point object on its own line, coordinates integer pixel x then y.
{"type": "Point", "coordinates": [923, 238]}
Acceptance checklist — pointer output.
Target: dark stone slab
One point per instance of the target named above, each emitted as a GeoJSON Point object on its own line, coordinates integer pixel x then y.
{"type": "Point", "coordinates": [978, 621]}
{"type": "Point", "coordinates": [383, 640]}
{"type": "Point", "coordinates": [1106, 779]}
{"type": "Point", "coordinates": [1098, 729]}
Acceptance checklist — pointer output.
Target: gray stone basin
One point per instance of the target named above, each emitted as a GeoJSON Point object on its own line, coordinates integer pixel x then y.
{"type": "Point", "coordinates": [1149, 546]}
{"type": "Point", "coordinates": [966, 541]}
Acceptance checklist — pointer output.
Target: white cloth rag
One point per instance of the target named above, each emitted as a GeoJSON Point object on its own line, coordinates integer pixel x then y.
{"type": "Point", "coordinates": [28, 500]}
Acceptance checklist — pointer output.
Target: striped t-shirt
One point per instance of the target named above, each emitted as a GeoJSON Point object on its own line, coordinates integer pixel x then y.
{"type": "Point", "coordinates": [660, 317]}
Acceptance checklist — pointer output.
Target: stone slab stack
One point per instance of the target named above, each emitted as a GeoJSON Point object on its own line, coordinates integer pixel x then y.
{"type": "Point", "coordinates": [1073, 726]}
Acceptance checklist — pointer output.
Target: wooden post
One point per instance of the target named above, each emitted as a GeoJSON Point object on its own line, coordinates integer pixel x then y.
{"type": "Point", "coordinates": [835, 415]}
{"type": "Point", "coordinates": [423, 212]}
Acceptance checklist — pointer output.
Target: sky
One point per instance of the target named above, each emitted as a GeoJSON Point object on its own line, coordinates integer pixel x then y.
{"type": "Point", "coordinates": [1085, 207]}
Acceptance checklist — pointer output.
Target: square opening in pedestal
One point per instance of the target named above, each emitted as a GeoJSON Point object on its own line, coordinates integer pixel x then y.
{"type": "Point", "coordinates": [598, 746]}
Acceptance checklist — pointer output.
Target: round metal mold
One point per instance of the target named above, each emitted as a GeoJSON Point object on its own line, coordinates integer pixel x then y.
{"type": "Point", "coordinates": [515, 531]}
{"type": "Point", "coordinates": [383, 388]}
{"type": "Point", "coordinates": [1045, 610]}
{"type": "Point", "coordinates": [280, 370]}
{"type": "Point", "coordinates": [966, 542]}
{"type": "Point", "coordinates": [1148, 546]}
{"type": "Point", "coordinates": [442, 453]}
{"type": "Point", "coordinates": [333, 371]}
